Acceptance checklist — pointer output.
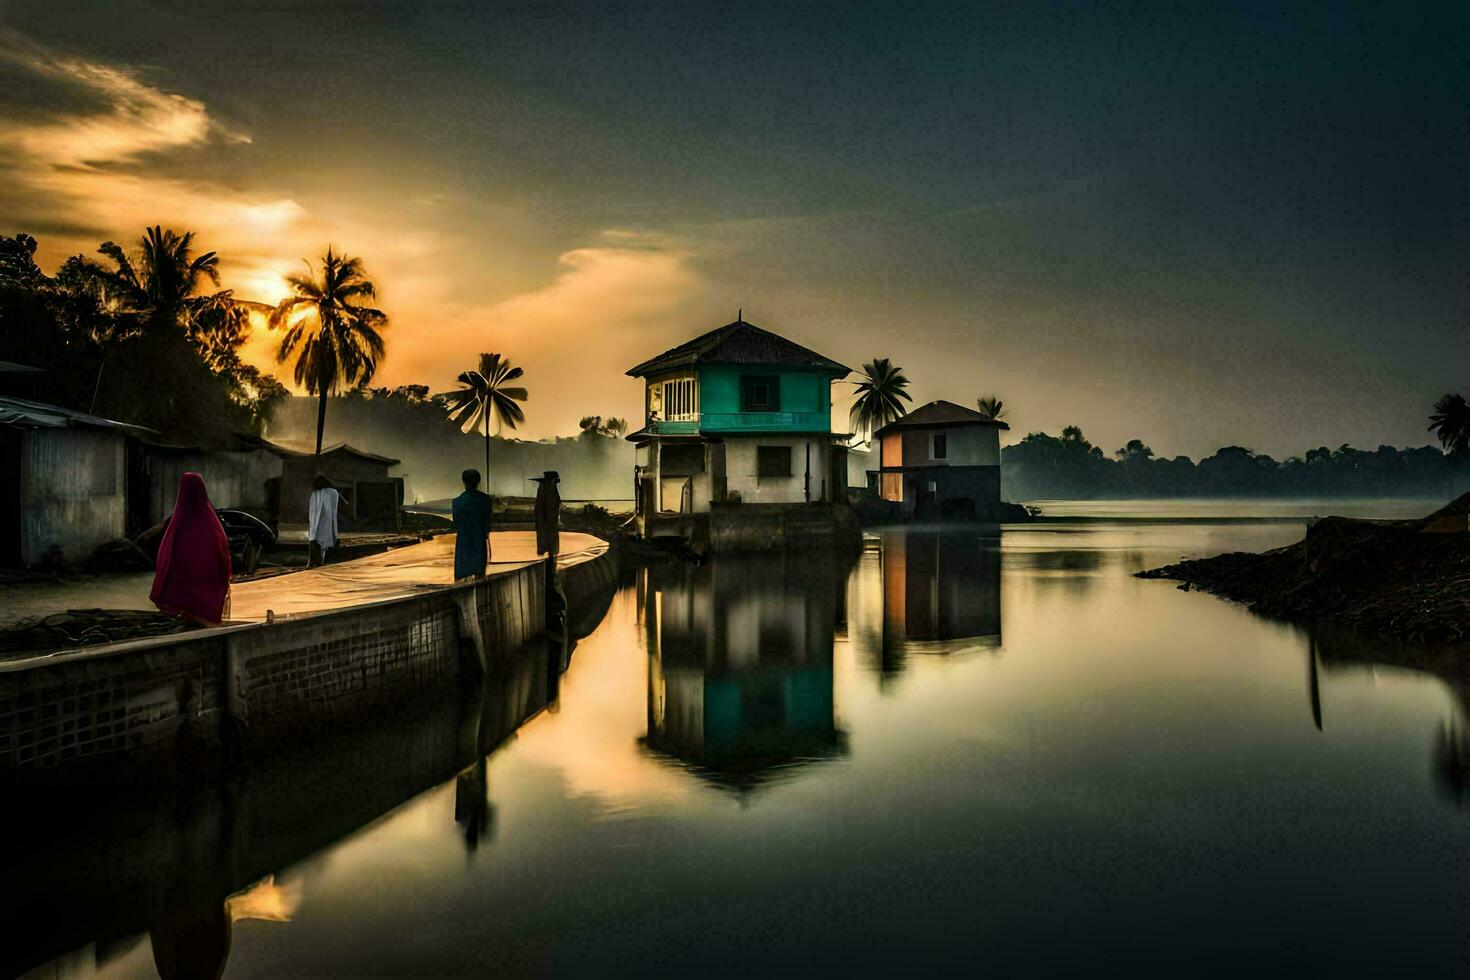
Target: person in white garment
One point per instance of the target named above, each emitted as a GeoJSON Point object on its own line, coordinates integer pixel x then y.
{"type": "Point", "coordinates": [321, 530]}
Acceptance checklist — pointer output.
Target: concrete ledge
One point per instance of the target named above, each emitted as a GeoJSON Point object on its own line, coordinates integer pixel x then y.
{"type": "Point", "coordinates": [239, 685]}
{"type": "Point", "coordinates": [777, 527]}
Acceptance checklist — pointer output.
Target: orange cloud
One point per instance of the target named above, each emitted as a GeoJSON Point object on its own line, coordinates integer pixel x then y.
{"type": "Point", "coordinates": [134, 118]}
{"type": "Point", "coordinates": [96, 171]}
{"type": "Point", "coordinates": [88, 168]}
{"type": "Point", "coordinates": [609, 303]}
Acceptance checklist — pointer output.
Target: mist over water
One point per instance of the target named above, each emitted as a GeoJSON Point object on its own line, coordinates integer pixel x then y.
{"type": "Point", "coordinates": [1241, 509]}
{"type": "Point", "coordinates": [434, 452]}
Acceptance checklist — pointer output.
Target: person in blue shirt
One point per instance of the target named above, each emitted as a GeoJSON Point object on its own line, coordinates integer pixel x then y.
{"type": "Point", "coordinates": [471, 512]}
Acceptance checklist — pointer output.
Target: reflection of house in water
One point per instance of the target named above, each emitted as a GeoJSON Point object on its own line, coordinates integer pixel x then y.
{"type": "Point", "coordinates": [917, 591]}
{"type": "Point", "coordinates": [941, 586]}
{"type": "Point", "coordinates": [740, 664]}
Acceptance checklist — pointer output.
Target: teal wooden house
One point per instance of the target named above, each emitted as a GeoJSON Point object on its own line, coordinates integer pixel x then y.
{"type": "Point", "coordinates": [738, 415]}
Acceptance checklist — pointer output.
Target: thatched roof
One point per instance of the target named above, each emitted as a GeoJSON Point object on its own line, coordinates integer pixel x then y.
{"type": "Point", "coordinates": [738, 343]}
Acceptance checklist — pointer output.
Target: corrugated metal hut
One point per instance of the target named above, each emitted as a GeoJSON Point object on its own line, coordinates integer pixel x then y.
{"type": "Point", "coordinates": [63, 482]}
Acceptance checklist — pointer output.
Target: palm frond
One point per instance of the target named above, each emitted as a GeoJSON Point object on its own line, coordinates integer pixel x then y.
{"type": "Point", "coordinates": [880, 394]}
{"type": "Point", "coordinates": [991, 407]}
{"type": "Point", "coordinates": [492, 400]}
{"type": "Point", "coordinates": [125, 272]}
{"type": "Point", "coordinates": [336, 344]}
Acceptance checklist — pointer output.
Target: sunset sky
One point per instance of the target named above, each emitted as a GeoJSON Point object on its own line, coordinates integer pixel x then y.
{"type": "Point", "coordinates": [1246, 226]}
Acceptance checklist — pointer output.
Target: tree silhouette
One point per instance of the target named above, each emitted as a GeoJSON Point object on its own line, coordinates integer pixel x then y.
{"type": "Point", "coordinates": [1135, 449]}
{"type": "Point", "coordinates": [156, 291]}
{"type": "Point", "coordinates": [160, 282]}
{"type": "Point", "coordinates": [485, 397]}
{"type": "Point", "coordinates": [337, 342]}
{"type": "Point", "coordinates": [86, 300]}
{"type": "Point", "coordinates": [880, 396]}
{"type": "Point", "coordinates": [1451, 423]}
{"type": "Point", "coordinates": [596, 425]}
{"type": "Point", "coordinates": [991, 407]}
{"type": "Point", "coordinates": [1072, 435]}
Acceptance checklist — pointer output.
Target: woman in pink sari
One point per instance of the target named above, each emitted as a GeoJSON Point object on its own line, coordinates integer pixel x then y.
{"type": "Point", "coordinates": [193, 577]}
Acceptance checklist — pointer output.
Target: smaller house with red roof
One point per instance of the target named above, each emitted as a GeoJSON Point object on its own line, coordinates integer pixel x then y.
{"type": "Point", "coordinates": [939, 461]}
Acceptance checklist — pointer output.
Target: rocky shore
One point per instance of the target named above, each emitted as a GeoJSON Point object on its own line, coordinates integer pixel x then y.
{"type": "Point", "coordinates": [1405, 579]}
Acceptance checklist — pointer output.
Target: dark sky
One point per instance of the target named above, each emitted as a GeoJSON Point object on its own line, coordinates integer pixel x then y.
{"type": "Point", "coordinates": [1199, 226]}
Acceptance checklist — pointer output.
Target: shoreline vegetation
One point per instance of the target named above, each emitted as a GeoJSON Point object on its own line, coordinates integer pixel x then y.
{"type": "Point", "coordinates": [1070, 467]}
{"type": "Point", "coordinates": [1407, 579]}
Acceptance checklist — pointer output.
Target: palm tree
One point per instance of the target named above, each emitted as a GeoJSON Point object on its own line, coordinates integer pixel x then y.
{"type": "Point", "coordinates": [880, 396]}
{"type": "Point", "coordinates": [485, 398]}
{"type": "Point", "coordinates": [337, 342]}
{"type": "Point", "coordinates": [156, 292]}
{"type": "Point", "coordinates": [161, 280]}
{"type": "Point", "coordinates": [1451, 422]}
{"type": "Point", "coordinates": [991, 407]}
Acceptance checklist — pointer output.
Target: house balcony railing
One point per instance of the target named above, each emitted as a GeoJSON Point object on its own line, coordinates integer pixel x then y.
{"type": "Point", "coordinates": [674, 427]}
{"type": "Point", "coordinates": [743, 422]}
{"type": "Point", "coordinates": [765, 422]}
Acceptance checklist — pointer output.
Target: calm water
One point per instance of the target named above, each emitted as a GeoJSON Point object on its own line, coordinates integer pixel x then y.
{"type": "Point", "coordinates": [958, 753]}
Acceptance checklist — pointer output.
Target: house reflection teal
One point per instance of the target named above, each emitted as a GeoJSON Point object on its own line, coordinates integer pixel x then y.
{"type": "Point", "coordinates": [740, 665]}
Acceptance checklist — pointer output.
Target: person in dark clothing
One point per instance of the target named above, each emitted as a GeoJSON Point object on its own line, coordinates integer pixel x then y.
{"type": "Point", "coordinates": [548, 513]}
{"type": "Point", "coordinates": [471, 512]}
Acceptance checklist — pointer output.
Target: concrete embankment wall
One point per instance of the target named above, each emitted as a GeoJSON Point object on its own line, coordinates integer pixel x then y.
{"type": "Point", "coordinates": [166, 858]}
{"type": "Point", "coordinates": [123, 711]}
{"type": "Point", "coordinates": [782, 527]}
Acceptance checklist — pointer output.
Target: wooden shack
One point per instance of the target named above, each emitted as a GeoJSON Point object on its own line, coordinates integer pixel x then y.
{"type": "Point", "coordinates": [371, 497]}
{"type": "Point", "coordinates": [245, 474]}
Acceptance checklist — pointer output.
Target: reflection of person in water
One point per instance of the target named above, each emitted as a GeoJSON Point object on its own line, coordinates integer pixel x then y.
{"type": "Point", "coordinates": [472, 809]}
{"type": "Point", "coordinates": [192, 941]}
{"type": "Point", "coordinates": [191, 933]}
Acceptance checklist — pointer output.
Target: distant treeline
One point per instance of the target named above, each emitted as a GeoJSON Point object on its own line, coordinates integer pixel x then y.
{"type": "Point", "coordinates": [1043, 466]}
